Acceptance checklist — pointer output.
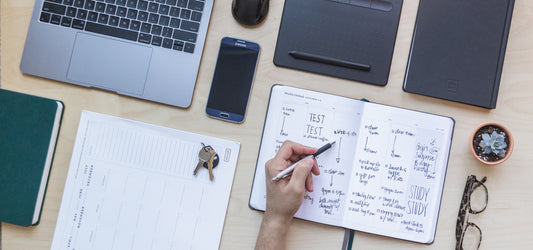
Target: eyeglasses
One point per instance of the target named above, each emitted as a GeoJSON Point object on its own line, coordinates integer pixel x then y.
{"type": "Point", "coordinates": [475, 199]}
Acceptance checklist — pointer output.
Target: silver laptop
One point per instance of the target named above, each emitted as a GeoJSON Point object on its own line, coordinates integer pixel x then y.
{"type": "Point", "coordinates": [145, 49]}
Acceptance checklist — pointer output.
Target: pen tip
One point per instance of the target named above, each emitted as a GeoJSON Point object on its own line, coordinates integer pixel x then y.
{"type": "Point", "coordinates": [333, 143]}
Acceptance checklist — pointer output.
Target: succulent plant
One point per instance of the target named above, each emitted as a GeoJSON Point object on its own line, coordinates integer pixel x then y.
{"type": "Point", "coordinates": [494, 143]}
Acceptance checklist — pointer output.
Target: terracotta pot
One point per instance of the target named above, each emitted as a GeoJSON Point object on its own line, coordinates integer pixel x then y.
{"type": "Point", "coordinates": [509, 148]}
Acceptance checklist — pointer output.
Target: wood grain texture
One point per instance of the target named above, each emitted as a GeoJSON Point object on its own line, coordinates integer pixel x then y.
{"type": "Point", "coordinates": [506, 223]}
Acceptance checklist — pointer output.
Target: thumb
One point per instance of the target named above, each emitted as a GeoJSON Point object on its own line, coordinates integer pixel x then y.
{"type": "Point", "coordinates": [301, 172]}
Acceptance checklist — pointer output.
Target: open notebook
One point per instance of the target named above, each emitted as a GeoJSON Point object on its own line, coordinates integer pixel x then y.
{"type": "Point", "coordinates": [384, 175]}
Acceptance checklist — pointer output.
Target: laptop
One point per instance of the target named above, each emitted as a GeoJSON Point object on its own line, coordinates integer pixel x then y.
{"type": "Point", "coordinates": [145, 49]}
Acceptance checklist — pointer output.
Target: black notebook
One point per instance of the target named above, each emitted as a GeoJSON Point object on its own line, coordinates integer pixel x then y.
{"type": "Point", "coordinates": [347, 39]}
{"type": "Point", "coordinates": [458, 50]}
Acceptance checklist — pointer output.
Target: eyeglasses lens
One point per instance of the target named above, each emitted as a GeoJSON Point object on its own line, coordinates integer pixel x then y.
{"type": "Point", "coordinates": [471, 238]}
{"type": "Point", "coordinates": [478, 198]}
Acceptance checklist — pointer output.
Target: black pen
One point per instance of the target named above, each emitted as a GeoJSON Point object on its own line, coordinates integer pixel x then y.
{"type": "Point", "coordinates": [286, 172]}
{"type": "Point", "coordinates": [329, 60]}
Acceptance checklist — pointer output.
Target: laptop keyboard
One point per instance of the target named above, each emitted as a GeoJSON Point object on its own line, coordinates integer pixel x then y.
{"type": "Point", "coordinates": [171, 24]}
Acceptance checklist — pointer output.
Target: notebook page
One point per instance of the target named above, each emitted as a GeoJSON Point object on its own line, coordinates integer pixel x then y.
{"type": "Point", "coordinates": [130, 186]}
{"type": "Point", "coordinates": [398, 173]}
{"type": "Point", "coordinates": [312, 119]}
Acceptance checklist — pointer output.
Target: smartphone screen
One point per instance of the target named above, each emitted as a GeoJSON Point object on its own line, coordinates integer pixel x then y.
{"type": "Point", "coordinates": [232, 80]}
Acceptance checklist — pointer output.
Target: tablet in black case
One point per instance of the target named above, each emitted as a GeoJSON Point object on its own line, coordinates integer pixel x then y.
{"type": "Point", "coordinates": [350, 39]}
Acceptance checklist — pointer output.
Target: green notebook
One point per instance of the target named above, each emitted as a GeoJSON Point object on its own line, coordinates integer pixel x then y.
{"type": "Point", "coordinates": [29, 126]}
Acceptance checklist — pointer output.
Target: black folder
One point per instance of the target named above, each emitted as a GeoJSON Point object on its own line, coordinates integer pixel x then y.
{"type": "Point", "coordinates": [350, 39]}
{"type": "Point", "coordinates": [458, 49]}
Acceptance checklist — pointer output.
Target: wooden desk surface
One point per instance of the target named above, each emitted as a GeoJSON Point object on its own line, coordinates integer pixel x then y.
{"type": "Point", "coordinates": [506, 223]}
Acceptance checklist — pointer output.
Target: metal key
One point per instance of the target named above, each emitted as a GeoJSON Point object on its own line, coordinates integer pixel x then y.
{"type": "Point", "coordinates": [210, 162]}
{"type": "Point", "coordinates": [203, 156]}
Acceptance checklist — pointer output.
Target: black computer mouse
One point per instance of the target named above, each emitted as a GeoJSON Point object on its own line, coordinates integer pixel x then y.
{"type": "Point", "coordinates": [249, 12]}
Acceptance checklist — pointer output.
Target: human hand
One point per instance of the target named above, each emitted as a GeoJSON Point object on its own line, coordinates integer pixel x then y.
{"type": "Point", "coordinates": [285, 196]}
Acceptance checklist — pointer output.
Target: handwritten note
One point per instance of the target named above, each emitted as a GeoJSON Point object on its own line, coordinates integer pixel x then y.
{"type": "Point", "coordinates": [399, 162]}
{"type": "Point", "coordinates": [385, 173]}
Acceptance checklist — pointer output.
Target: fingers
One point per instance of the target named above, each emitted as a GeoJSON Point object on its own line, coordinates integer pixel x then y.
{"type": "Point", "coordinates": [315, 169]}
{"type": "Point", "coordinates": [293, 151]}
{"type": "Point", "coordinates": [309, 183]}
{"type": "Point", "coordinates": [301, 172]}
{"type": "Point", "coordinates": [309, 180]}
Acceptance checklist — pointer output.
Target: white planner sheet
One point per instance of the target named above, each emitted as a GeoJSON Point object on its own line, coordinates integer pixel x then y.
{"type": "Point", "coordinates": [130, 185]}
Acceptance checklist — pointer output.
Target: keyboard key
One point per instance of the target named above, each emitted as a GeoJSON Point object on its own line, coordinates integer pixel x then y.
{"type": "Point", "coordinates": [167, 32]}
{"type": "Point", "coordinates": [71, 12]}
{"type": "Point", "coordinates": [66, 21]}
{"type": "Point", "coordinates": [174, 23]}
{"type": "Point", "coordinates": [114, 20]}
{"type": "Point", "coordinates": [89, 5]}
{"type": "Point", "coordinates": [146, 27]}
{"type": "Point", "coordinates": [121, 11]}
{"type": "Point", "coordinates": [196, 16]}
{"type": "Point", "coordinates": [93, 16]}
{"type": "Point", "coordinates": [79, 3]}
{"type": "Point", "coordinates": [103, 18]}
{"type": "Point", "coordinates": [121, 2]}
{"type": "Point", "coordinates": [110, 1]}
{"type": "Point", "coordinates": [143, 5]}
{"type": "Point", "coordinates": [164, 9]}
{"type": "Point", "coordinates": [56, 19]}
{"type": "Point", "coordinates": [82, 14]}
{"type": "Point", "coordinates": [189, 47]}
{"type": "Point", "coordinates": [124, 23]}
{"type": "Point", "coordinates": [54, 8]}
{"type": "Point", "coordinates": [184, 35]}
{"type": "Point", "coordinates": [45, 17]}
{"type": "Point", "coordinates": [167, 43]}
{"type": "Point", "coordinates": [143, 16]}
{"type": "Point", "coordinates": [175, 12]}
{"type": "Point", "coordinates": [132, 3]}
{"type": "Point", "coordinates": [111, 31]}
{"type": "Point", "coordinates": [55, 1]}
{"type": "Point", "coordinates": [182, 3]}
{"type": "Point", "coordinates": [111, 9]}
{"type": "Point", "coordinates": [153, 18]}
{"type": "Point", "coordinates": [185, 14]}
{"type": "Point", "coordinates": [164, 20]}
{"type": "Point", "coordinates": [189, 26]}
{"type": "Point", "coordinates": [196, 5]}
{"type": "Point", "coordinates": [132, 14]}
{"type": "Point", "coordinates": [178, 45]}
{"type": "Point", "coordinates": [145, 38]}
{"type": "Point", "coordinates": [100, 7]}
{"type": "Point", "coordinates": [78, 24]}
{"type": "Point", "coordinates": [156, 30]}
{"type": "Point", "coordinates": [157, 40]}
{"type": "Point", "coordinates": [160, 1]}
{"type": "Point", "coordinates": [172, 2]}
{"type": "Point", "coordinates": [135, 25]}
{"type": "Point", "coordinates": [68, 2]}
{"type": "Point", "coordinates": [153, 7]}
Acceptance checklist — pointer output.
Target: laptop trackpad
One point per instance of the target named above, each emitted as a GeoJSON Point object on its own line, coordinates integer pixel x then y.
{"type": "Point", "coordinates": [109, 64]}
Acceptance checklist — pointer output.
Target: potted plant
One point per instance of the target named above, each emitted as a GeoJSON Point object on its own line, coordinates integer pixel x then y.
{"type": "Point", "coordinates": [491, 143]}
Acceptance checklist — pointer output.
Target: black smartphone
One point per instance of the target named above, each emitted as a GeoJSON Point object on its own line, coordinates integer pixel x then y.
{"type": "Point", "coordinates": [233, 79]}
